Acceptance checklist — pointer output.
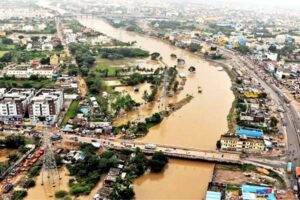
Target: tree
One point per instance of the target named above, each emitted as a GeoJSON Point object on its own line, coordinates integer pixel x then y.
{"type": "Point", "coordinates": [34, 77]}
{"type": "Point", "coordinates": [45, 61]}
{"type": "Point", "coordinates": [59, 47]}
{"type": "Point", "coordinates": [12, 157]}
{"type": "Point", "coordinates": [19, 194]}
{"type": "Point", "coordinates": [73, 71]}
{"type": "Point", "coordinates": [84, 70]}
{"type": "Point", "coordinates": [158, 162]}
{"type": "Point", "coordinates": [87, 148]}
{"type": "Point", "coordinates": [14, 141]}
{"type": "Point", "coordinates": [274, 121]}
{"type": "Point", "coordinates": [155, 56]}
{"type": "Point", "coordinates": [34, 170]}
{"type": "Point", "coordinates": [29, 183]}
{"type": "Point", "coordinates": [34, 38]}
{"type": "Point", "coordinates": [263, 95]}
{"type": "Point", "coordinates": [194, 47]}
{"type": "Point", "coordinates": [175, 86]}
{"type": "Point", "coordinates": [273, 48]}
{"type": "Point", "coordinates": [27, 85]}
{"type": "Point", "coordinates": [7, 41]}
{"type": "Point", "coordinates": [61, 194]}
{"type": "Point", "coordinates": [145, 96]}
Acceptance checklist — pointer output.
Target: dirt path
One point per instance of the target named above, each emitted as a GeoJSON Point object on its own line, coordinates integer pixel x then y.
{"type": "Point", "coordinates": [82, 86]}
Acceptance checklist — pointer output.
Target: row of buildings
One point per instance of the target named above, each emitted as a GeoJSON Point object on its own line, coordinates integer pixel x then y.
{"type": "Point", "coordinates": [26, 71]}
{"type": "Point", "coordinates": [18, 104]}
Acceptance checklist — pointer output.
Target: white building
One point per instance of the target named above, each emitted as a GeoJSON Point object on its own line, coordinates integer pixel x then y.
{"type": "Point", "coordinates": [47, 47]}
{"type": "Point", "coordinates": [25, 71]}
{"type": "Point", "coordinates": [46, 103]}
{"type": "Point", "coordinates": [28, 28]}
{"type": "Point", "coordinates": [13, 104]}
{"type": "Point", "coordinates": [101, 39]}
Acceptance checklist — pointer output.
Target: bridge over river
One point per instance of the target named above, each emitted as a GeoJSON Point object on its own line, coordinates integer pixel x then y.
{"type": "Point", "coordinates": [176, 152]}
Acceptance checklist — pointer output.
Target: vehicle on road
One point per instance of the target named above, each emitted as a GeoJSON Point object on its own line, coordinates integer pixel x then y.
{"type": "Point", "coordinates": [289, 167]}
{"type": "Point", "coordinates": [150, 146]}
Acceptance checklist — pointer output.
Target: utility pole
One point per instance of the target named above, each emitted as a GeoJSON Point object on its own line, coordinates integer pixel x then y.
{"type": "Point", "coordinates": [49, 168]}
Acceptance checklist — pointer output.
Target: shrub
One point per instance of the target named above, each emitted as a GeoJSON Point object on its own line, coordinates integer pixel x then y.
{"type": "Point", "coordinates": [61, 194]}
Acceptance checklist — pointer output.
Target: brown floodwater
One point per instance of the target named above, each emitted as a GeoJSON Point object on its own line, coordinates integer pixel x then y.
{"type": "Point", "coordinates": [47, 191]}
{"type": "Point", "coordinates": [198, 124]}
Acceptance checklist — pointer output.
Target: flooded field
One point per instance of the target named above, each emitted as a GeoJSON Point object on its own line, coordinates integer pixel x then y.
{"type": "Point", "coordinates": [198, 124]}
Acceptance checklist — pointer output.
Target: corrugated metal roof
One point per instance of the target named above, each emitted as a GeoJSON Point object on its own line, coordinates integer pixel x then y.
{"type": "Point", "coordinates": [210, 195]}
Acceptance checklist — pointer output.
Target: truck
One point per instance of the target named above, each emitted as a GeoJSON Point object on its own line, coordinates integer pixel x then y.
{"type": "Point", "coordinates": [297, 172]}
{"type": "Point", "coordinates": [289, 167]}
{"type": "Point", "coordinates": [150, 146]}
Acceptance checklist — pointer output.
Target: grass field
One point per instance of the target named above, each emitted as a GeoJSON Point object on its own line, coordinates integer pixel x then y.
{"type": "Point", "coordinates": [71, 113]}
{"type": "Point", "coordinates": [111, 70]}
{"type": "Point", "coordinates": [2, 53]}
{"type": "Point", "coordinates": [6, 46]}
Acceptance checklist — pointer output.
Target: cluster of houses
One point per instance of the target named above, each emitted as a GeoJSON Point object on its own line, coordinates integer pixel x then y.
{"type": "Point", "coordinates": [254, 119]}
{"type": "Point", "coordinates": [111, 178]}
{"type": "Point", "coordinates": [16, 103]}
{"type": "Point", "coordinates": [87, 35]}
{"type": "Point", "coordinates": [275, 50]}
{"type": "Point", "coordinates": [32, 24]}
{"type": "Point", "coordinates": [81, 124]}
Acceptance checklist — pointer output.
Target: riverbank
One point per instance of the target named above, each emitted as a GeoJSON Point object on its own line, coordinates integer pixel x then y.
{"type": "Point", "coordinates": [194, 125]}
{"type": "Point", "coordinates": [231, 117]}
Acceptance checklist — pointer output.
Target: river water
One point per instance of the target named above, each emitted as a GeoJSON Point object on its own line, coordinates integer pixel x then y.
{"type": "Point", "coordinates": [198, 124]}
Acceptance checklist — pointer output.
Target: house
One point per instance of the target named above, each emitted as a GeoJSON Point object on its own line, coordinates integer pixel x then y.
{"type": "Point", "coordinates": [2, 33]}
{"type": "Point", "coordinates": [54, 60]}
{"type": "Point", "coordinates": [47, 47]}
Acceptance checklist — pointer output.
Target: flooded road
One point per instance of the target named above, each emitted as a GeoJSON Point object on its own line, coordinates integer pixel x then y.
{"type": "Point", "coordinates": [198, 124]}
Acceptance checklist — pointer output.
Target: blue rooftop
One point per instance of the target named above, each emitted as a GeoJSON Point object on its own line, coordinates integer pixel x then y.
{"type": "Point", "coordinates": [249, 132]}
{"type": "Point", "coordinates": [210, 195]}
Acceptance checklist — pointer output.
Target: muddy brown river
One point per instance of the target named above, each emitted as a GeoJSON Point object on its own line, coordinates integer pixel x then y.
{"type": "Point", "coordinates": [198, 124]}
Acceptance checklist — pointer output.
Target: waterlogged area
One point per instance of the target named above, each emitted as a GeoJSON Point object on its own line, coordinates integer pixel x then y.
{"type": "Point", "coordinates": [198, 124]}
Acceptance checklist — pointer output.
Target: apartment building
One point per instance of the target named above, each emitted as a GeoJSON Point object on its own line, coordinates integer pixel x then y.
{"type": "Point", "coordinates": [46, 103]}
{"type": "Point", "coordinates": [234, 143]}
{"type": "Point", "coordinates": [13, 104]}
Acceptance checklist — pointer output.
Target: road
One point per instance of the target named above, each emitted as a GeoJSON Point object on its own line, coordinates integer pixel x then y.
{"type": "Point", "coordinates": [291, 115]}
{"type": "Point", "coordinates": [80, 81]}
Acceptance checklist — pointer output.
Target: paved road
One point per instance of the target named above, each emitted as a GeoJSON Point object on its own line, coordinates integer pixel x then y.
{"type": "Point", "coordinates": [180, 152]}
{"type": "Point", "coordinates": [291, 115]}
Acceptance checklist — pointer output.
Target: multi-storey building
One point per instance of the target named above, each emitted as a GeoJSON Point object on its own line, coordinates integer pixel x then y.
{"type": "Point", "coordinates": [234, 143]}
{"type": "Point", "coordinates": [25, 71]}
{"type": "Point", "coordinates": [13, 104]}
{"type": "Point", "coordinates": [46, 103]}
